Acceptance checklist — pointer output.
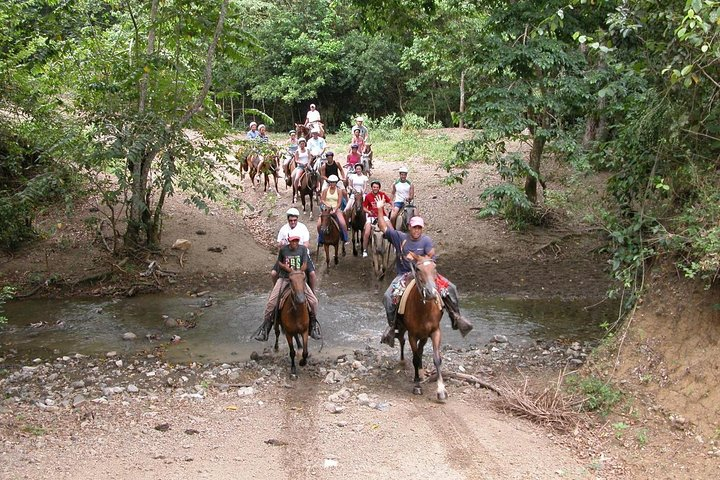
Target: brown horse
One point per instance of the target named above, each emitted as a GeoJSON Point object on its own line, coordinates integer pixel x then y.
{"type": "Point", "coordinates": [302, 131]}
{"type": "Point", "coordinates": [331, 237]}
{"type": "Point", "coordinates": [268, 166]}
{"type": "Point", "coordinates": [288, 168]}
{"type": "Point", "coordinates": [294, 318]}
{"type": "Point", "coordinates": [404, 215]}
{"type": "Point", "coordinates": [356, 219]}
{"type": "Point", "coordinates": [307, 185]}
{"type": "Point", "coordinates": [421, 320]}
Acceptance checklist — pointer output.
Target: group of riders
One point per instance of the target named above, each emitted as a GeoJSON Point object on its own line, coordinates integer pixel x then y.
{"type": "Point", "coordinates": [339, 193]}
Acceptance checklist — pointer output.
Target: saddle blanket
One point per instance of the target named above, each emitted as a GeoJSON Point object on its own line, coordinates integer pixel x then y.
{"type": "Point", "coordinates": [401, 283]}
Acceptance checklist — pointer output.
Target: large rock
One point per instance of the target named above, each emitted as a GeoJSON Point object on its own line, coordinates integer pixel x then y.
{"type": "Point", "coordinates": [182, 245]}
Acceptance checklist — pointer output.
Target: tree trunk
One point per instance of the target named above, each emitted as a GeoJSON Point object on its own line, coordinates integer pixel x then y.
{"type": "Point", "coordinates": [538, 145]}
{"type": "Point", "coordinates": [461, 120]}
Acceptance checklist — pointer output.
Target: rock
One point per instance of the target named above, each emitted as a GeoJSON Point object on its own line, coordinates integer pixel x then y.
{"type": "Point", "coordinates": [78, 400]}
{"type": "Point", "coordinates": [111, 354]}
{"type": "Point", "coordinates": [332, 408]}
{"type": "Point", "coordinates": [363, 399]}
{"type": "Point", "coordinates": [78, 384]}
{"type": "Point", "coordinates": [500, 339]}
{"type": "Point", "coordinates": [340, 396]}
{"type": "Point", "coordinates": [246, 391]}
{"type": "Point", "coordinates": [132, 388]}
{"type": "Point", "coordinates": [129, 336]}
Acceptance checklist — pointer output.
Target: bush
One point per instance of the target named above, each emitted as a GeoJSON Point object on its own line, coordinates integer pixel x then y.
{"type": "Point", "coordinates": [7, 293]}
{"type": "Point", "coordinates": [599, 395]}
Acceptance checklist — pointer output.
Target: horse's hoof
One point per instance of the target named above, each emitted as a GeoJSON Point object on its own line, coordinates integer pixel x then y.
{"type": "Point", "coordinates": [417, 390]}
{"type": "Point", "coordinates": [442, 396]}
{"type": "Point", "coordinates": [303, 362]}
{"type": "Point", "coordinates": [336, 260]}
{"type": "Point", "coordinates": [293, 376]}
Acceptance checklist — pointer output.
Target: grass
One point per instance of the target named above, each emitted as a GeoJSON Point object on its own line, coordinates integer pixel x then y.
{"type": "Point", "coordinates": [599, 396]}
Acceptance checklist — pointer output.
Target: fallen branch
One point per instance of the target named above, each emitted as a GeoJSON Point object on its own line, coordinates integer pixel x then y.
{"type": "Point", "coordinates": [465, 378]}
{"type": "Point", "coordinates": [92, 278]}
{"type": "Point", "coordinates": [30, 293]}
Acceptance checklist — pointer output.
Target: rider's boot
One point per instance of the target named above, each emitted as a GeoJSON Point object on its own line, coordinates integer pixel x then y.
{"type": "Point", "coordinates": [388, 337]}
{"type": "Point", "coordinates": [315, 327]}
{"type": "Point", "coordinates": [457, 321]}
{"type": "Point", "coordinates": [262, 333]}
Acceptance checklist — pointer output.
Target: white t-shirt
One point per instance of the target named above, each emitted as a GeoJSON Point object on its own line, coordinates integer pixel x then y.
{"type": "Point", "coordinates": [402, 191]}
{"type": "Point", "coordinates": [313, 116]}
{"type": "Point", "coordinates": [316, 146]}
{"type": "Point", "coordinates": [358, 182]}
{"type": "Point", "coordinates": [300, 230]}
{"type": "Point", "coordinates": [303, 157]}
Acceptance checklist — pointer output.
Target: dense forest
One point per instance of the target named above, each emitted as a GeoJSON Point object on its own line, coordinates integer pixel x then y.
{"type": "Point", "coordinates": [99, 96]}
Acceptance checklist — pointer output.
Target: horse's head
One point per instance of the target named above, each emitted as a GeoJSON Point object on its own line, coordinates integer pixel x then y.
{"type": "Point", "coordinates": [325, 220]}
{"type": "Point", "coordinates": [368, 149]}
{"type": "Point", "coordinates": [297, 283]}
{"type": "Point", "coordinates": [313, 176]}
{"type": "Point", "coordinates": [425, 275]}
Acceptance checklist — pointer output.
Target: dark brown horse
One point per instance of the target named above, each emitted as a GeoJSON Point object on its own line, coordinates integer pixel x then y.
{"type": "Point", "coordinates": [302, 131]}
{"type": "Point", "coordinates": [356, 219]}
{"type": "Point", "coordinates": [331, 237]}
{"type": "Point", "coordinates": [268, 167]}
{"type": "Point", "coordinates": [288, 168]}
{"type": "Point", "coordinates": [294, 318]}
{"type": "Point", "coordinates": [308, 183]}
{"type": "Point", "coordinates": [421, 320]}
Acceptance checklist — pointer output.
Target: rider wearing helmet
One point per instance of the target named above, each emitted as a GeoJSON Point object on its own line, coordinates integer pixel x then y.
{"type": "Point", "coordinates": [363, 129]}
{"type": "Point", "coordinates": [353, 157]}
{"type": "Point", "coordinates": [403, 192]}
{"type": "Point", "coordinates": [262, 133]}
{"type": "Point", "coordinates": [332, 198]}
{"type": "Point", "coordinates": [253, 133]}
{"type": "Point", "coordinates": [290, 257]}
{"type": "Point", "coordinates": [317, 146]}
{"type": "Point", "coordinates": [294, 227]}
{"type": "Point", "coordinates": [357, 184]}
{"type": "Point", "coordinates": [415, 241]}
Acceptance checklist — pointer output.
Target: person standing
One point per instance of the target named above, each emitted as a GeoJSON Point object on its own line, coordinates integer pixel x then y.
{"type": "Point", "coordinates": [417, 242]}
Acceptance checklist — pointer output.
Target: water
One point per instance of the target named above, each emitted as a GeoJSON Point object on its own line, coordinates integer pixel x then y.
{"type": "Point", "coordinates": [222, 331]}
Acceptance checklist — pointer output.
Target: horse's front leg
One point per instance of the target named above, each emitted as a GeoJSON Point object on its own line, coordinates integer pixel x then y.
{"type": "Point", "coordinates": [277, 335]}
{"type": "Point", "coordinates": [327, 258]}
{"type": "Point", "coordinates": [335, 258]}
{"type": "Point", "coordinates": [417, 349]}
{"type": "Point", "coordinates": [293, 368]}
{"type": "Point", "coordinates": [437, 360]}
{"type": "Point", "coordinates": [305, 354]}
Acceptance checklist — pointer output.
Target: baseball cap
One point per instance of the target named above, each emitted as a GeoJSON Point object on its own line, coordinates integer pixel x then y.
{"type": "Point", "coordinates": [416, 222]}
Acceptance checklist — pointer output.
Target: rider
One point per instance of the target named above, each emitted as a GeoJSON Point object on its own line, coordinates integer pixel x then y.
{"type": "Point", "coordinates": [290, 257]}
{"type": "Point", "coordinates": [415, 242]}
{"type": "Point", "coordinates": [358, 140]}
{"type": "Point", "coordinates": [357, 183]}
{"type": "Point", "coordinates": [403, 192]}
{"type": "Point", "coordinates": [295, 227]}
{"type": "Point", "coordinates": [372, 210]}
{"type": "Point", "coordinates": [253, 133]}
{"type": "Point", "coordinates": [291, 149]}
{"type": "Point", "coordinates": [302, 158]}
{"type": "Point", "coordinates": [332, 198]}
{"type": "Point", "coordinates": [363, 129]}
{"type": "Point", "coordinates": [262, 135]}
{"type": "Point", "coordinates": [330, 167]}
{"type": "Point", "coordinates": [312, 119]}
{"type": "Point", "coordinates": [353, 157]}
{"type": "Point", "coordinates": [317, 147]}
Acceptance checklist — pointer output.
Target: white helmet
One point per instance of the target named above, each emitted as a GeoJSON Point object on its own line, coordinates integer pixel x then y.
{"type": "Point", "coordinates": [253, 123]}
{"type": "Point", "coordinates": [333, 179]}
{"type": "Point", "coordinates": [302, 139]}
{"type": "Point", "coordinates": [359, 119]}
{"type": "Point", "coordinates": [403, 170]}
{"type": "Point", "coordinates": [315, 130]}
{"type": "Point", "coordinates": [293, 212]}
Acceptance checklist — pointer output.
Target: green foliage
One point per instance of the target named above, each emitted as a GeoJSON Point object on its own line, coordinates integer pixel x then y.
{"type": "Point", "coordinates": [619, 428]}
{"type": "Point", "coordinates": [599, 395]}
{"type": "Point", "coordinates": [7, 293]}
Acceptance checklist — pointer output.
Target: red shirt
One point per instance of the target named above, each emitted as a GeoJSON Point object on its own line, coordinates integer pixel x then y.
{"type": "Point", "coordinates": [353, 159]}
{"type": "Point", "coordinates": [370, 202]}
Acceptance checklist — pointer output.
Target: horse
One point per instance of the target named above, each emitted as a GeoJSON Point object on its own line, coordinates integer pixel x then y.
{"type": "Point", "coordinates": [269, 166]}
{"type": "Point", "coordinates": [294, 318]}
{"type": "Point", "coordinates": [404, 215]}
{"type": "Point", "coordinates": [308, 183]}
{"type": "Point", "coordinates": [288, 168]}
{"type": "Point", "coordinates": [421, 319]}
{"type": "Point", "coordinates": [380, 249]}
{"type": "Point", "coordinates": [366, 158]}
{"type": "Point", "coordinates": [355, 220]}
{"type": "Point", "coordinates": [331, 237]}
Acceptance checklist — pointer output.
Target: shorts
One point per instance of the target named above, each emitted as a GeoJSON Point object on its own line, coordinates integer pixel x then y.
{"type": "Point", "coordinates": [399, 204]}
